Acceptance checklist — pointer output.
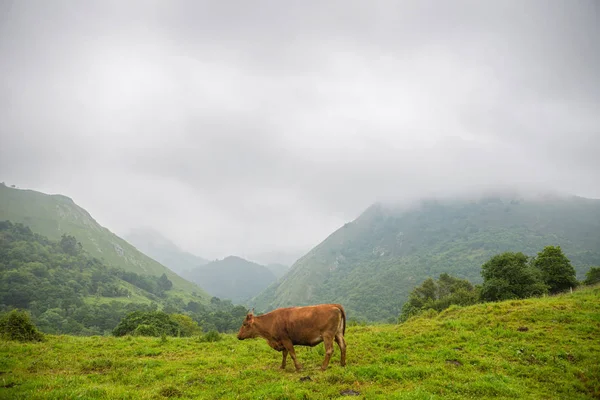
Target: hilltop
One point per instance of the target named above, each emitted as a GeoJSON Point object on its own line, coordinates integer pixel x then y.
{"type": "Point", "coordinates": [232, 278]}
{"type": "Point", "coordinates": [161, 249]}
{"type": "Point", "coordinates": [55, 215]}
{"type": "Point", "coordinates": [543, 348]}
{"type": "Point", "coordinates": [371, 264]}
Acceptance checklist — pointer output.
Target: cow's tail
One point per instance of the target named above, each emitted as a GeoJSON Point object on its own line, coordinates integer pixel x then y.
{"type": "Point", "coordinates": [343, 317]}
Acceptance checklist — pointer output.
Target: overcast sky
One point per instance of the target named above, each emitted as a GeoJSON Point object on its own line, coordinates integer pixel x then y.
{"type": "Point", "coordinates": [238, 127]}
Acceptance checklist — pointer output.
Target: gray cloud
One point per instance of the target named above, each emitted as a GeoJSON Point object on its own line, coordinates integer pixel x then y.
{"type": "Point", "coordinates": [249, 128]}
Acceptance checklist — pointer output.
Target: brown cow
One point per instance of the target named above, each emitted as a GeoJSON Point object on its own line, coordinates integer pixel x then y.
{"type": "Point", "coordinates": [304, 326]}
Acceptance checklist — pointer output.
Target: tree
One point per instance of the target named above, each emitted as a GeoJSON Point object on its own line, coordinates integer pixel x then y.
{"type": "Point", "coordinates": [556, 269]}
{"type": "Point", "coordinates": [164, 283]}
{"type": "Point", "coordinates": [439, 295]}
{"type": "Point", "coordinates": [70, 245]}
{"type": "Point", "coordinates": [592, 276]}
{"type": "Point", "coordinates": [509, 276]}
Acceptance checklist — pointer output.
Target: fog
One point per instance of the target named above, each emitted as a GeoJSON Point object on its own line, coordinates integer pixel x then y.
{"type": "Point", "coordinates": [250, 128]}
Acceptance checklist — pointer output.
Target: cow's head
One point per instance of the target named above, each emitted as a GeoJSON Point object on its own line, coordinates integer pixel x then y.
{"type": "Point", "coordinates": [248, 330]}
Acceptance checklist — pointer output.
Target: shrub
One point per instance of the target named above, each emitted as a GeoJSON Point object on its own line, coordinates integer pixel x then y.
{"type": "Point", "coordinates": [152, 323]}
{"type": "Point", "coordinates": [212, 336]}
{"type": "Point", "coordinates": [187, 326]}
{"type": "Point", "coordinates": [592, 276]}
{"type": "Point", "coordinates": [17, 325]}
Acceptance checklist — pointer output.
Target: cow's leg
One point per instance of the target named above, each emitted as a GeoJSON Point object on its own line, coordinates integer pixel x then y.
{"type": "Point", "coordinates": [285, 352]}
{"type": "Point", "coordinates": [339, 339]}
{"type": "Point", "coordinates": [290, 348]}
{"type": "Point", "coordinates": [328, 343]}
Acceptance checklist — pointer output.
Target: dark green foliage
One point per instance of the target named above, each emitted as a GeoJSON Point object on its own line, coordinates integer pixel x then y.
{"type": "Point", "coordinates": [557, 271]}
{"type": "Point", "coordinates": [17, 325]}
{"type": "Point", "coordinates": [592, 276]}
{"type": "Point", "coordinates": [154, 323]}
{"type": "Point", "coordinates": [439, 295]}
{"type": "Point", "coordinates": [70, 245]}
{"type": "Point", "coordinates": [509, 276]}
{"type": "Point", "coordinates": [164, 283]}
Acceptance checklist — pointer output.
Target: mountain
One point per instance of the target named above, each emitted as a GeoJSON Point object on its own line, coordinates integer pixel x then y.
{"type": "Point", "coordinates": [278, 269]}
{"type": "Point", "coordinates": [55, 215]}
{"type": "Point", "coordinates": [371, 264]}
{"type": "Point", "coordinates": [282, 257]}
{"type": "Point", "coordinates": [232, 278]}
{"type": "Point", "coordinates": [155, 245]}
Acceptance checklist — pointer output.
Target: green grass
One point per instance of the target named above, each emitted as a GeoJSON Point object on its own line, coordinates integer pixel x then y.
{"type": "Point", "coordinates": [471, 352]}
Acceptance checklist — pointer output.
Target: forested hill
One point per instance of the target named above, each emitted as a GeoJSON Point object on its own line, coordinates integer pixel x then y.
{"type": "Point", "coordinates": [55, 215]}
{"type": "Point", "coordinates": [371, 264]}
{"type": "Point", "coordinates": [161, 249]}
{"type": "Point", "coordinates": [67, 291]}
{"type": "Point", "coordinates": [232, 278]}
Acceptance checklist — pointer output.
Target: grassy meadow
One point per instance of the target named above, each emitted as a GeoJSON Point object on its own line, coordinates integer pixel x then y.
{"type": "Point", "coordinates": [544, 348]}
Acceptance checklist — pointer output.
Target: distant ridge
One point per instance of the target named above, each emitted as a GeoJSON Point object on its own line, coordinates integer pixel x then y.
{"type": "Point", "coordinates": [232, 278]}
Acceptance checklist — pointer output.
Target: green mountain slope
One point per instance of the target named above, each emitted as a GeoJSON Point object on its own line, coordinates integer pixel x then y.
{"type": "Point", "coordinates": [55, 215]}
{"type": "Point", "coordinates": [278, 269]}
{"type": "Point", "coordinates": [371, 264]}
{"type": "Point", "coordinates": [232, 278]}
{"type": "Point", "coordinates": [164, 251]}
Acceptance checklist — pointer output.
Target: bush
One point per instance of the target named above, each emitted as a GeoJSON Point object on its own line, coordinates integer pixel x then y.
{"type": "Point", "coordinates": [152, 323]}
{"type": "Point", "coordinates": [592, 276]}
{"type": "Point", "coordinates": [17, 325]}
{"type": "Point", "coordinates": [187, 326]}
{"type": "Point", "coordinates": [146, 330]}
{"type": "Point", "coordinates": [212, 336]}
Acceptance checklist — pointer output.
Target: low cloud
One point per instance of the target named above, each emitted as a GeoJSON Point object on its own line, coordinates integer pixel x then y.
{"type": "Point", "coordinates": [252, 128]}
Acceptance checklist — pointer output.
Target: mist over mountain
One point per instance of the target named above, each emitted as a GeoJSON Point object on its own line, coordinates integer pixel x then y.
{"type": "Point", "coordinates": [276, 257]}
{"type": "Point", "coordinates": [371, 264]}
{"type": "Point", "coordinates": [232, 278]}
{"type": "Point", "coordinates": [157, 246]}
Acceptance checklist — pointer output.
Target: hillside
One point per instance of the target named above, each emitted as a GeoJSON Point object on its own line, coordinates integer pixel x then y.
{"type": "Point", "coordinates": [278, 269]}
{"type": "Point", "coordinates": [371, 264]}
{"type": "Point", "coordinates": [543, 348]}
{"type": "Point", "coordinates": [232, 278]}
{"type": "Point", "coordinates": [161, 249]}
{"type": "Point", "coordinates": [67, 291]}
{"type": "Point", "coordinates": [55, 215]}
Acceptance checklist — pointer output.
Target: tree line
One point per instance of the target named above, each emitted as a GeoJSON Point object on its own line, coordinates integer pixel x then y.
{"type": "Point", "coordinates": [509, 275]}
